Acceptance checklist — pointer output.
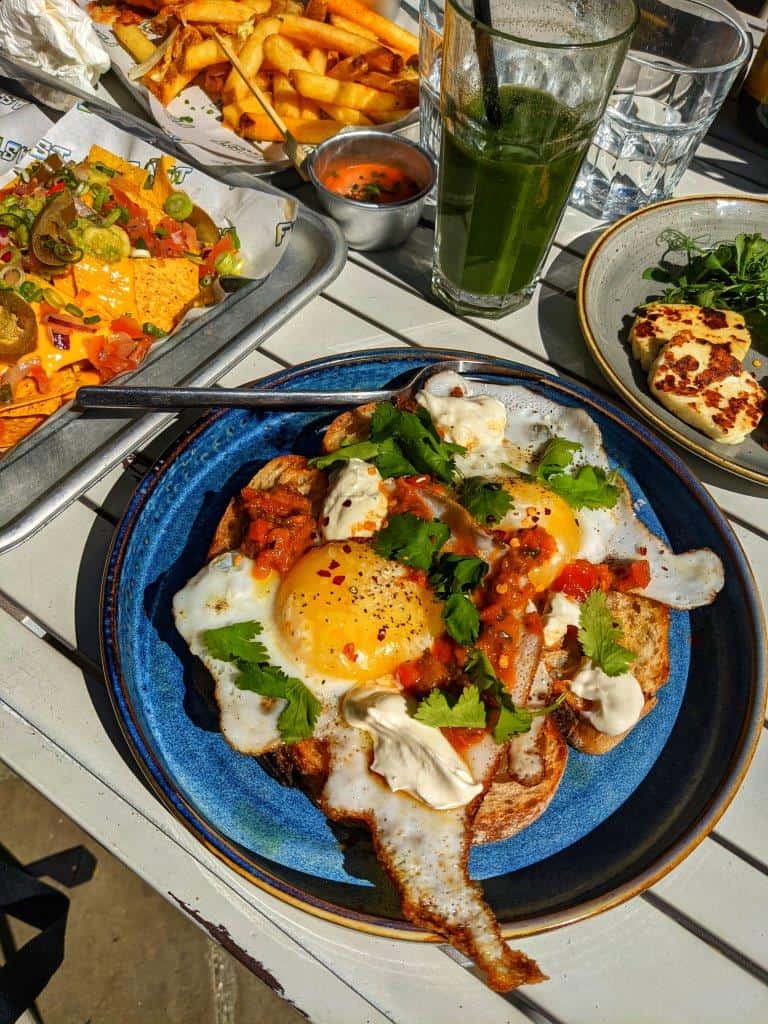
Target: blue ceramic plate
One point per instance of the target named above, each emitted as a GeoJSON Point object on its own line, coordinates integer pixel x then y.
{"type": "Point", "coordinates": [616, 823]}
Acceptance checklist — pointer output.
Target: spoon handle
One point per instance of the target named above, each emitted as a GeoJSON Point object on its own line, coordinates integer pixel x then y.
{"type": "Point", "coordinates": [115, 397]}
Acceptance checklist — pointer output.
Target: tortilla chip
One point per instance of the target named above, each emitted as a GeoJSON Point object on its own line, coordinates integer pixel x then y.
{"type": "Point", "coordinates": [16, 428]}
{"type": "Point", "coordinates": [110, 285]}
{"type": "Point", "coordinates": [164, 289]}
{"type": "Point", "coordinates": [161, 186]}
{"type": "Point", "coordinates": [40, 406]}
{"type": "Point", "coordinates": [135, 177]}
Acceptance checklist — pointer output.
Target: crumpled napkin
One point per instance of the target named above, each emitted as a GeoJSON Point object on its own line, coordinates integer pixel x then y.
{"type": "Point", "coordinates": [55, 36]}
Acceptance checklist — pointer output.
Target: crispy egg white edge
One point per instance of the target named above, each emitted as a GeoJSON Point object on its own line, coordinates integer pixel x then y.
{"type": "Point", "coordinates": [683, 581]}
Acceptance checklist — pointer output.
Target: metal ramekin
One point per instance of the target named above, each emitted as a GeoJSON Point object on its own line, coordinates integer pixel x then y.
{"type": "Point", "coordinates": [368, 226]}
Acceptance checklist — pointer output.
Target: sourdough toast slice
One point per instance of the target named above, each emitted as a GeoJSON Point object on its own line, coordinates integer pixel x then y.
{"type": "Point", "coordinates": [645, 631]}
{"type": "Point", "coordinates": [289, 471]}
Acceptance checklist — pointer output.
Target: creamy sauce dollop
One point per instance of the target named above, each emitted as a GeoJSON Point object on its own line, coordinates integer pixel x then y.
{"type": "Point", "coordinates": [617, 701]}
{"type": "Point", "coordinates": [478, 421]}
{"type": "Point", "coordinates": [411, 756]}
{"type": "Point", "coordinates": [355, 505]}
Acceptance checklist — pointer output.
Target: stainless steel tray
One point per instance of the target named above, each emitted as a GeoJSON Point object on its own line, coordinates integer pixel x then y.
{"type": "Point", "coordinates": [71, 451]}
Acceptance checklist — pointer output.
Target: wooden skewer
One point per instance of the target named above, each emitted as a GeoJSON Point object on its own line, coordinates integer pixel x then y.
{"type": "Point", "coordinates": [297, 153]}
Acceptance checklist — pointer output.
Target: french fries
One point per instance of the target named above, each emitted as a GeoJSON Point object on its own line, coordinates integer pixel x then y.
{"type": "Point", "coordinates": [322, 64]}
{"type": "Point", "coordinates": [343, 94]}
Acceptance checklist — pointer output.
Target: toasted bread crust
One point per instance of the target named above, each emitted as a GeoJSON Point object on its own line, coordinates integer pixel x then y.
{"type": "Point", "coordinates": [291, 471]}
{"type": "Point", "coordinates": [508, 807]}
{"type": "Point", "coordinates": [349, 427]}
{"type": "Point", "coordinates": [645, 628]}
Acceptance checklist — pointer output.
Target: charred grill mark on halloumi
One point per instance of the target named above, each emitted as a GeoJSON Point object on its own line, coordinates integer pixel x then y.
{"type": "Point", "coordinates": [661, 322]}
{"type": "Point", "coordinates": [705, 385]}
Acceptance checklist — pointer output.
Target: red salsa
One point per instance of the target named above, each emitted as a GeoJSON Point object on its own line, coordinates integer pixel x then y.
{"type": "Point", "coordinates": [371, 183]}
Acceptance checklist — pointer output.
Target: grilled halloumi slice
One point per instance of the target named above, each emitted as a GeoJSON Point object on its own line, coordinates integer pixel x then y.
{"type": "Point", "coordinates": [660, 322]}
{"type": "Point", "coordinates": [704, 384]}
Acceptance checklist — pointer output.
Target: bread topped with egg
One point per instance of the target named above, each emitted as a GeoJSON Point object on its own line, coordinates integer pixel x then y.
{"type": "Point", "coordinates": [384, 623]}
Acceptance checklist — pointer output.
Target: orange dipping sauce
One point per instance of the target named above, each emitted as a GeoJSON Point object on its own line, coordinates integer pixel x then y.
{"type": "Point", "coordinates": [371, 183]}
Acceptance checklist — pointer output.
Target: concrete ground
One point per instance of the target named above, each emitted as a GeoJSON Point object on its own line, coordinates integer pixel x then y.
{"type": "Point", "coordinates": [131, 958]}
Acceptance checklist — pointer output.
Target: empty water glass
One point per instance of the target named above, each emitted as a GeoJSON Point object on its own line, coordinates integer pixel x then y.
{"type": "Point", "coordinates": [683, 60]}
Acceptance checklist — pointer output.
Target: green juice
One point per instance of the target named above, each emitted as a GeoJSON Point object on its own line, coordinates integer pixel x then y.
{"type": "Point", "coordinates": [502, 191]}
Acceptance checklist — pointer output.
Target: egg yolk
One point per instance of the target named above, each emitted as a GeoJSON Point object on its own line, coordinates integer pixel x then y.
{"type": "Point", "coordinates": [536, 505]}
{"type": "Point", "coordinates": [348, 613]}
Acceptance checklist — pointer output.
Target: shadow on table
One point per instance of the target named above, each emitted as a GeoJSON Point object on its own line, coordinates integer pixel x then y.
{"type": "Point", "coordinates": [89, 577]}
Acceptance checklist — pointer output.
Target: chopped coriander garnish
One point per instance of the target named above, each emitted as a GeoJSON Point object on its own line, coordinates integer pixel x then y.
{"type": "Point", "coordinates": [462, 619]}
{"type": "Point", "coordinates": [488, 502]}
{"type": "Point", "coordinates": [599, 636]}
{"type": "Point", "coordinates": [467, 711]}
{"type": "Point", "coordinates": [512, 720]}
{"type": "Point", "coordinates": [588, 487]}
{"type": "Point", "coordinates": [411, 540]}
{"type": "Point", "coordinates": [455, 574]}
{"type": "Point", "coordinates": [153, 330]}
{"type": "Point", "coordinates": [238, 643]}
{"type": "Point", "coordinates": [401, 444]}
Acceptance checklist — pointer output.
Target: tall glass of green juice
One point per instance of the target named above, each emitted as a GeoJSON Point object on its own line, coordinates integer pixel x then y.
{"type": "Point", "coordinates": [519, 103]}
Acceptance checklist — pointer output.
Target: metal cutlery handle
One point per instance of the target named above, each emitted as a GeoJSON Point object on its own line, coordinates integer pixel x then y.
{"type": "Point", "coordinates": [202, 398]}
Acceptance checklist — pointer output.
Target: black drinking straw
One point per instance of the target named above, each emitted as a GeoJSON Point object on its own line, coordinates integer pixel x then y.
{"type": "Point", "coordinates": [487, 63]}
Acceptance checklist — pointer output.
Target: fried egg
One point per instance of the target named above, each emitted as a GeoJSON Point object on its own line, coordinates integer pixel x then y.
{"type": "Point", "coordinates": [686, 580]}
{"type": "Point", "coordinates": [341, 616]}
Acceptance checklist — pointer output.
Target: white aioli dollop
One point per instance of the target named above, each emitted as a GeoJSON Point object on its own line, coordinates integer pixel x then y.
{"type": "Point", "coordinates": [562, 613]}
{"type": "Point", "coordinates": [411, 756]}
{"type": "Point", "coordinates": [478, 421]}
{"type": "Point", "coordinates": [355, 506]}
{"type": "Point", "coordinates": [617, 700]}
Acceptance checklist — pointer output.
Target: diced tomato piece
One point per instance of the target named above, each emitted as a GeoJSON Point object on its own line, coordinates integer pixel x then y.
{"type": "Point", "coordinates": [407, 674]}
{"type": "Point", "coordinates": [631, 575]}
{"type": "Point", "coordinates": [462, 739]}
{"type": "Point", "coordinates": [443, 649]}
{"type": "Point", "coordinates": [115, 354]}
{"type": "Point", "coordinates": [581, 577]}
{"type": "Point", "coordinates": [128, 326]}
{"type": "Point", "coordinates": [177, 238]}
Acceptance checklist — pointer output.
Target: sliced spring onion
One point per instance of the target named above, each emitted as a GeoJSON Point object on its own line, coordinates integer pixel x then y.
{"type": "Point", "coordinates": [73, 310]}
{"type": "Point", "coordinates": [153, 330]}
{"type": "Point", "coordinates": [30, 291]}
{"type": "Point", "coordinates": [92, 319]}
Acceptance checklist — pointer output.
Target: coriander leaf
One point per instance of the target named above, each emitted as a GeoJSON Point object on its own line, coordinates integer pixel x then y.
{"type": "Point", "coordinates": [390, 460]}
{"type": "Point", "coordinates": [557, 456]}
{"type": "Point", "coordinates": [480, 670]}
{"type": "Point", "coordinates": [236, 642]}
{"type": "Point", "coordinates": [487, 502]}
{"type": "Point", "coordinates": [385, 415]}
{"type": "Point", "coordinates": [468, 711]}
{"type": "Point", "coordinates": [365, 450]}
{"type": "Point", "coordinates": [462, 620]}
{"type": "Point", "coordinates": [298, 717]}
{"type": "Point", "coordinates": [512, 721]}
{"type": "Point", "coordinates": [424, 447]}
{"type": "Point", "coordinates": [599, 636]}
{"type": "Point", "coordinates": [411, 540]}
{"type": "Point", "coordinates": [590, 487]}
{"type": "Point", "coordinates": [454, 574]}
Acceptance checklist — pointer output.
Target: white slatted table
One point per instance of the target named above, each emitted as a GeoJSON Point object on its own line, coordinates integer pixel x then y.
{"type": "Point", "coordinates": [694, 948]}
